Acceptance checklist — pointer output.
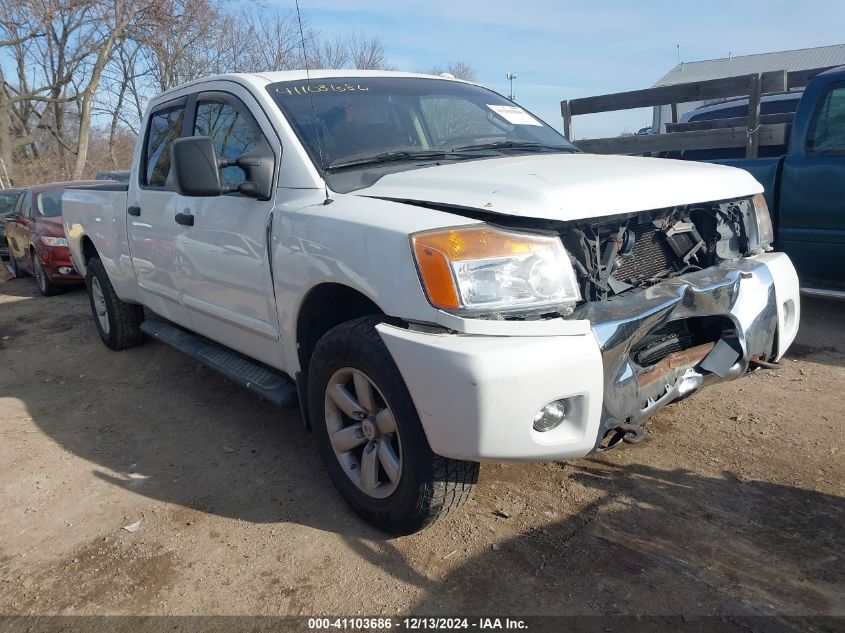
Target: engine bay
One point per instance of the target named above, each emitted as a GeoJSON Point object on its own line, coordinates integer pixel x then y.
{"type": "Point", "coordinates": [617, 256]}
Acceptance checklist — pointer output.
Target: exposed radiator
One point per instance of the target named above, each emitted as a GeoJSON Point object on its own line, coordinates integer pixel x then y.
{"type": "Point", "coordinates": [652, 256]}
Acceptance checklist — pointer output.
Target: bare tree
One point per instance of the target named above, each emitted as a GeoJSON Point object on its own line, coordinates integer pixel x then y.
{"type": "Point", "coordinates": [59, 67]}
{"type": "Point", "coordinates": [367, 53]}
{"type": "Point", "coordinates": [43, 47]}
{"type": "Point", "coordinates": [356, 51]}
{"type": "Point", "coordinates": [177, 43]}
{"type": "Point", "coordinates": [329, 54]}
{"type": "Point", "coordinates": [275, 41]}
{"type": "Point", "coordinates": [459, 70]}
{"type": "Point", "coordinates": [113, 19]}
{"type": "Point", "coordinates": [119, 94]}
{"type": "Point", "coordinates": [76, 75]}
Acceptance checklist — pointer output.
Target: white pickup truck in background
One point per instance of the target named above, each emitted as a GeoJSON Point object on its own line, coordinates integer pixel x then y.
{"type": "Point", "coordinates": [433, 274]}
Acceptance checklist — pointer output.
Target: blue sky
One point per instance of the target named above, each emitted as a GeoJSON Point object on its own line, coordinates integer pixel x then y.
{"type": "Point", "coordinates": [571, 49]}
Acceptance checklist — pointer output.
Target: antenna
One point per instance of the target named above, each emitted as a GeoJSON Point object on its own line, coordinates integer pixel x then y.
{"type": "Point", "coordinates": [510, 77]}
{"type": "Point", "coordinates": [311, 99]}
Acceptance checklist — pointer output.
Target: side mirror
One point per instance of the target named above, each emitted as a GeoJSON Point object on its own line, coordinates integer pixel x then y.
{"type": "Point", "coordinates": [258, 165]}
{"type": "Point", "coordinates": [196, 170]}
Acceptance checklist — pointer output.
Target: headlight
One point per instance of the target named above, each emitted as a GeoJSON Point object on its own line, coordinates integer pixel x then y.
{"type": "Point", "coordinates": [760, 232]}
{"type": "Point", "coordinates": [483, 269]}
{"type": "Point", "coordinates": [53, 241]}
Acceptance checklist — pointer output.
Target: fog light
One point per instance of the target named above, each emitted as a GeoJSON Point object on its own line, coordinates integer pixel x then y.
{"type": "Point", "coordinates": [64, 270]}
{"type": "Point", "coordinates": [550, 416]}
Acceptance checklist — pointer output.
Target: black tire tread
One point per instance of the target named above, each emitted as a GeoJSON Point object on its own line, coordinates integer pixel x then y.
{"type": "Point", "coordinates": [126, 318]}
{"type": "Point", "coordinates": [454, 483]}
{"type": "Point", "coordinates": [450, 482]}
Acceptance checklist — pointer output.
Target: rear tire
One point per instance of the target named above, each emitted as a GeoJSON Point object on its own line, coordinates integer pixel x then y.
{"type": "Point", "coordinates": [45, 286]}
{"type": "Point", "coordinates": [16, 271]}
{"type": "Point", "coordinates": [118, 322]}
{"type": "Point", "coordinates": [413, 486]}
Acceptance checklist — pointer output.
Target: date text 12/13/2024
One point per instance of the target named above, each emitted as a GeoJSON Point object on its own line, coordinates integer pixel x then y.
{"type": "Point", "coordinates": [416, 624]}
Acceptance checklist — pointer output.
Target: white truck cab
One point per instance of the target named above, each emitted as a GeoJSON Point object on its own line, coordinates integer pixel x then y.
{"type": "Point", "coordinates": [432, 273]}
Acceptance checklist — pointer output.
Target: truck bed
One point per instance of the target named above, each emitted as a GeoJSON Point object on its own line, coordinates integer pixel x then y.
{"type": "Point", "coordinates": [102, 210]}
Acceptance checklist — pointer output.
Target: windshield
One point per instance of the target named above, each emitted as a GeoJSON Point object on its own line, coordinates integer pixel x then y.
{"type": "Point", "coordinates": [365, 120]}
{"type": "Point", "coordinates": [49, 203]}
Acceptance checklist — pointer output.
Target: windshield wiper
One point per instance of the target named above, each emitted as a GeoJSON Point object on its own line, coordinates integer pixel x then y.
{"type": "Point", "coordinates": [387, 157]}
{"type": "Point", "coordinates": [519, 145]}
{"type": "Point", "coordinates": [455, 153]}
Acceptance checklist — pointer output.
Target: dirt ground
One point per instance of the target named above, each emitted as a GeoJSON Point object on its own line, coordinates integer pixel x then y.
{"type": "Point", "coordinates": [734, 504]}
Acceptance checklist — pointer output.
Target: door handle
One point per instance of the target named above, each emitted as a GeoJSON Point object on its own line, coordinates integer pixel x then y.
{"type": "Point", "coordinates": [185, 219]}
{"type": "Point", "coordinates": [134, 210]}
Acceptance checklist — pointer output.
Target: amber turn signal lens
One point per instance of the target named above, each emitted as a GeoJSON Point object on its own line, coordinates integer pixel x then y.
{"type": "Point", "coordinates": [461, 244]}
{"type": "Point", "coordinates": [436, 276]}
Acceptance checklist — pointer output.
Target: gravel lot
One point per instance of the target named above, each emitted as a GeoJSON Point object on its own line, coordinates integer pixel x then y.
{"type": "Point", "coordinates": [733, 505]}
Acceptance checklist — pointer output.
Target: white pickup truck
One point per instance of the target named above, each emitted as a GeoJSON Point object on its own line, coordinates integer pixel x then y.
{"type": "Point", "coordinates": [434, 275]}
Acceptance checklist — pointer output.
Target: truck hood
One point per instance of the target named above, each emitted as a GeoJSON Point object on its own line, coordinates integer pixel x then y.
{"type": "Point", "coordinates": [566, 186]}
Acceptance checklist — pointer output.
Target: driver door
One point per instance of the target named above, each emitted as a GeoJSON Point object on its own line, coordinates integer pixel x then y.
{"type": "Point", "coordinates": [223, 259]}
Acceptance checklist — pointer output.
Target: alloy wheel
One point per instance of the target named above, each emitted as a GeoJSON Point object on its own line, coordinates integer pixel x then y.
{"type": "Point", "coordinates": [363, 432]}
{"type": "Point", "coordinates": [98, 300]}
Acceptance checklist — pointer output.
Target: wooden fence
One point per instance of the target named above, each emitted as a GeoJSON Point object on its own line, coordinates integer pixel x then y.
{"type": "Point", "coordinates": [749, 131]}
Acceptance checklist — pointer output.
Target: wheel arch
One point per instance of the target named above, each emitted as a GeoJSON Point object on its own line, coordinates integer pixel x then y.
{"type": "Point", "coordinates": [87, 250]}
{"type": "Point", "coordinates": [34, 252]}
{"type": "Point", "coordinates": [323, 307]}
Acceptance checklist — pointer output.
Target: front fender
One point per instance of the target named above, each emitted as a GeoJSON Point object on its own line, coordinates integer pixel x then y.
{"type": "Point", "coordinates": [356, 242]}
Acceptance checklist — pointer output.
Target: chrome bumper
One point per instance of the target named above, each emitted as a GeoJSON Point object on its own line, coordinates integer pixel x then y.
{"type": "Point", "coordinates": [758, 295]}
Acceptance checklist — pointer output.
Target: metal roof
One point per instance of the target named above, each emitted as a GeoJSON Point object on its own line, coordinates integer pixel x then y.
{"type": "Point", "coordinates": [801, 59]}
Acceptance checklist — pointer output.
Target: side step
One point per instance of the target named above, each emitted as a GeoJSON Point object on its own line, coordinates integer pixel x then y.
{"type": "Point", "coordinates": [270, 385]}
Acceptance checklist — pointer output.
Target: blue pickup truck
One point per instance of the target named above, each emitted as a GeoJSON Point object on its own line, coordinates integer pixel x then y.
{"type": "Point", "coordinates": [805, 186]}
{"type": "Point", "coordinates": [798, 153]}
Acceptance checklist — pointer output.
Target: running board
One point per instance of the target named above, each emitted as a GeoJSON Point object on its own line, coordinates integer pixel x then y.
{"type": "Point", "coordinates": [270, 385]}
{"type": "Point", "coordinates": [823, 293]}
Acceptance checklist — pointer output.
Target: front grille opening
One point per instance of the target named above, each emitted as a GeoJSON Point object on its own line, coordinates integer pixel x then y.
{"type": "Point", "coordinates": [652, 256]}
{"type": "Point", "coordinates": [679, 335]}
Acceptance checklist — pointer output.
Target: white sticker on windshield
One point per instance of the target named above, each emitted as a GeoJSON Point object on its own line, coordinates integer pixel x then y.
{"type": "Point", "coordinates": [514, 115]}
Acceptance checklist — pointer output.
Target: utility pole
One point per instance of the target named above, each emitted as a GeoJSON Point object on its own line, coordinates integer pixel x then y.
{"type": "Point", "coordinates": [510, 77]}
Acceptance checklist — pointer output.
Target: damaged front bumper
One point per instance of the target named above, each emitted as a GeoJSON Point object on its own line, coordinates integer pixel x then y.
{"type": "Point", "coordinates": [477, 395]}
{"type": "Point", "coordinates": [757, 300]}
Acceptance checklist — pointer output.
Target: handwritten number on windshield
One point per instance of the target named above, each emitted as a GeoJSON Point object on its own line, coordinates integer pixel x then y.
{"type": "Point", "coordinates": [305, 89]}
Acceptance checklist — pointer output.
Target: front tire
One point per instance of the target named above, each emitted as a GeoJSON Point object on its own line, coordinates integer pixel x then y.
{"type": "Point", "coordinates": [118, 322]}
{"type": "Point", "coordinates": [370, 437]}
{"type": "Point", "coordinates": [45, 286]}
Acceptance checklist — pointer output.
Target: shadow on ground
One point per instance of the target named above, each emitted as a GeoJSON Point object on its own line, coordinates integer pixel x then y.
{"type": "Point", "coordinates": [183, 435]}
{"type": "Point", "coordinates": [158, 424]}
{"type": "Point", "coordinates": [821, 335]}
{"type": "Point", "coordinates": [686, 543]}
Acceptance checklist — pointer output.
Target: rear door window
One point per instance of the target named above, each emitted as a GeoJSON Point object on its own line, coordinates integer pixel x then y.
{"type": "Point", "coordinates": [164, 127]}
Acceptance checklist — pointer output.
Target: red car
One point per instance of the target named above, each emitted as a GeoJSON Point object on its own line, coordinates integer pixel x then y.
{"type": "Point", "coordinates": [36, 237]}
